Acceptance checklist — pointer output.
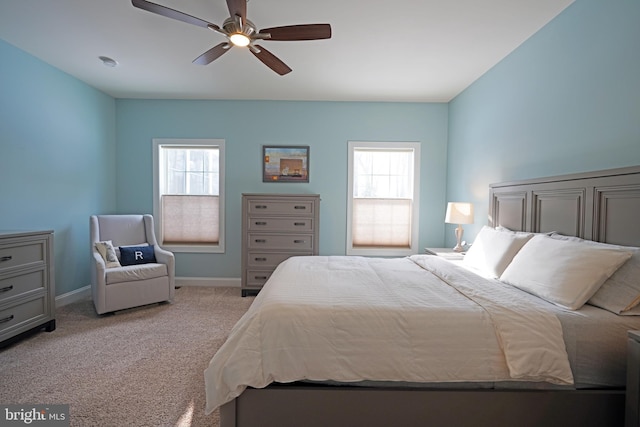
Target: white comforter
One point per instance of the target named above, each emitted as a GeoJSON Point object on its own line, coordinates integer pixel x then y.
{"type": "Point", "coordinates": [416, 319]}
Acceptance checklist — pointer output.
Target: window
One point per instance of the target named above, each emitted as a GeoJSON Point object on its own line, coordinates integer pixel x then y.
{"type": "Point", "coordinates": [188, 192]}
{"type": "Point", "coordinates": [382, 211]}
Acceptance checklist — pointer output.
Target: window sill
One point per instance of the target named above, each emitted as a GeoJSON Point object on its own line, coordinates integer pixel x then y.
{"type": "Point", "coordinates": [194, 249]}
{"type": "Point", "coordinates": [381, 252]}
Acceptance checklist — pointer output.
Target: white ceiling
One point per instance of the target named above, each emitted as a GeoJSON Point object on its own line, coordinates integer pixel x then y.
{"type": "Point", "coordinates": [381, 50]}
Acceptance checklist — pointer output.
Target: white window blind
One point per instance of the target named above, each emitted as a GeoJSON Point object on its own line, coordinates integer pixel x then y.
{"type": "Point", "coordinates": [190, 219]}
{"type": "Point", "coordinates": [382, 222]}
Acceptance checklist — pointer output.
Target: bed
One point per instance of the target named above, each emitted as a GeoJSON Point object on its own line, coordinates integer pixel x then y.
{"type": "Point", "coordinates": [424, 341]}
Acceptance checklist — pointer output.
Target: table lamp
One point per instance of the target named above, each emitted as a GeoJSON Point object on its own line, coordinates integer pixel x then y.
{"type": "Point", "coordinates": [459, 213]}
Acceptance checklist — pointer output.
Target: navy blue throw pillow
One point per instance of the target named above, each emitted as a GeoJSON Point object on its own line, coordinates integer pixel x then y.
{"type": "Point", "coordinates": [132, 255]}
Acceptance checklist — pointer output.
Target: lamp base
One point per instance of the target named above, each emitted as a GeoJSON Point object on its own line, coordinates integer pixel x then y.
{"type": "Point", "coordinates": [459, 232]}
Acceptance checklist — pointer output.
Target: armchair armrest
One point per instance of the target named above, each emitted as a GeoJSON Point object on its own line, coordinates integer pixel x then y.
{"type": "Point", "coordinates": [166, 257]}
{"type": "Point", "coordinates": [163, 256]}
{"type": "Point", "coordinates": [100, 265]}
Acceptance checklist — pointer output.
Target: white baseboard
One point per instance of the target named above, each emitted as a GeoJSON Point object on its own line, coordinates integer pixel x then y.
{"type": "Point", "coordinates": [73, 296]}
{"type": "Point", "coordinates": [209, 281]}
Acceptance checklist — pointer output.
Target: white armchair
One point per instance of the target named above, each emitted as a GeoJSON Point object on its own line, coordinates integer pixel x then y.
{"type": "Point", "coordinates": [118, 287]}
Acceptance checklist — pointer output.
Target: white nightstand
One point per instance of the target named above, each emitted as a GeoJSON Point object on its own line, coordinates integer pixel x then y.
{"type": "Point", "coordinates": [447, 253]}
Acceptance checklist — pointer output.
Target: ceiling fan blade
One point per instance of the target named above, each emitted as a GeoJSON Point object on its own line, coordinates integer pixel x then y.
{"type": "Point", "coordinates": [171, 13]}
{"type": "Point", "coordinates": [299, 32]}
{"type": "Point", "coordinates": [270, 60]}
{"type": "Point", "coordinates": [238, 7]}
{"type": "Point", "coordinates": [212, 54]}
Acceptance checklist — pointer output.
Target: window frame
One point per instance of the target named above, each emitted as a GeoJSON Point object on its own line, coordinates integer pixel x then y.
{"type": "Point", "coordinates": [415, 206]}
{"type": "Point", "coordinates": [159, 143]}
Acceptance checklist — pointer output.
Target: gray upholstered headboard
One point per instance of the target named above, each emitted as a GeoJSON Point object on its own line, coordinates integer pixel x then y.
{"type": "Point", "coordinates": [603, 206]}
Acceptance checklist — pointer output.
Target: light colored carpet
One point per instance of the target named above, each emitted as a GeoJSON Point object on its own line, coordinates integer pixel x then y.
{"type": "Point", "coordinates": [139, 367]}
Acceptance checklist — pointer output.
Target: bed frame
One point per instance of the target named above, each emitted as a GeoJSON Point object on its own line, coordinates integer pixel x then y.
{"type": "Point", "coordinates": [601, 206]}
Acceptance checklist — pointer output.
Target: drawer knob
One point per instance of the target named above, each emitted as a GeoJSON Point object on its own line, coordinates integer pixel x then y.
{"type": "Point", "coordinates": [300, 224]}
{"type": "Point", "coordinates": [260, 259]}
{"type": "Point", "coordinates": [6, 319]}
{"type": "Point", "coordinates": [261, 206]}
{"type": "Point", "coordinates": [6, 258]}
{"type": "Point", "coordinates": [260, 240]}
{"type": "Point", "coordinates": [261, 222]}
{"type": "Point", "coordinates": [300, 207]}
{"type": "Point", "coordinates": [260, 277]}
{"type": "Point", "coordinates": [299, 241]}
{"type": "Point", "coordinates": [6, 288]}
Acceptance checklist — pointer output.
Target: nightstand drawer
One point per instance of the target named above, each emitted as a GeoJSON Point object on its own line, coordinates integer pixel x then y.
{"type": "Point", "coordinates": [12, 286]}
{"type": "Point", "coordinates": [280, 241]}
{"type": "Point", "coordinates": [280, 207]}
{"type": "Point", "coordinates": [23, 254]}
{"type": "Point", "coordinates": [280, 224]}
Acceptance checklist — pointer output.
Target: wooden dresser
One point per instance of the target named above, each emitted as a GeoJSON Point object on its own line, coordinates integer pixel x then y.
{"type": "Point", "coordinates": [27, 290]}
{"type": "Point", "coordinates": [274, 228]}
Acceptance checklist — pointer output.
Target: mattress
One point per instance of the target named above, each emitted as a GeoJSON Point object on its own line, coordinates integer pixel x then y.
{"type": "Point", "coordinates": [417, 320]}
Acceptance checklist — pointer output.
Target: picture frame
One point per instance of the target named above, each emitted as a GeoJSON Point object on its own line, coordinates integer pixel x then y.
{"type": "Point", "coordinates": [285, 163]}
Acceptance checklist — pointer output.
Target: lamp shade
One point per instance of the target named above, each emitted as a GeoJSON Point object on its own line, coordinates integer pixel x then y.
{"type": "Point", "coordinates": [459, 213]}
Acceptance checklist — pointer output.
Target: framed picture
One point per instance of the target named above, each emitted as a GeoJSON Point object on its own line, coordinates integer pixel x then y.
{"type": "Point", "coordinates": [285, 163]}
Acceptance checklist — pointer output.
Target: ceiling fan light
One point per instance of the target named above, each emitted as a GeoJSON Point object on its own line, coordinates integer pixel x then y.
{"type": "Point", "coordinates": [239, 39]}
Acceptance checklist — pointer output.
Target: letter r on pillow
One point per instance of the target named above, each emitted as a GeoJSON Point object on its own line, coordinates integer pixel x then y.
{"type": "Point", "coordinates": [139, 255]}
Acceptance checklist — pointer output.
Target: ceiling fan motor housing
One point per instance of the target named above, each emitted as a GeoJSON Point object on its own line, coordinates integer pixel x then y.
{"type": "Point", "coordinates": [236, 26]}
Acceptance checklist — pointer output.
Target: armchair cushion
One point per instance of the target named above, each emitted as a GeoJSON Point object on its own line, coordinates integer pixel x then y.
{"type": "Point", "coordinates": [133, 255]}
{"type": "Point", "coordinates": [131, 273]}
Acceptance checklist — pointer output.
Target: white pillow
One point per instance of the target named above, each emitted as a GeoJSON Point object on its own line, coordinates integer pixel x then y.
{"type": "Point", "coordinates": [493, 250]}
{"type": "Point", "coordinates": [620, 293]}
{"type": "Point", "coordinates": [564, 272]}
{"type": "Point", "coordinates": [108, 253]}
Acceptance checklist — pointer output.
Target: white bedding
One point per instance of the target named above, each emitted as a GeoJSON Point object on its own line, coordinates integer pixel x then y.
{"type": "Point", "coordinates": [351, 319]}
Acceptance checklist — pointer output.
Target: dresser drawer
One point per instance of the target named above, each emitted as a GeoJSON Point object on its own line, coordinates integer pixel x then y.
{"type": "Point", "coordinates": [257, 278]}
{"type": "Point", "coordinates": [23, 254]}
{"type": "Point", "coordinates": [280, 224]}
{"type": "Point", "coordinates": [280, 241]}
{"type": "Point", "coordinates": [280, 207]}
{"type": "Point", "coordinates": [18, 315]}
{"type": "Point", "coordinates": [268, 260]}
{"type": "Point", "coordinates": [12, 286]}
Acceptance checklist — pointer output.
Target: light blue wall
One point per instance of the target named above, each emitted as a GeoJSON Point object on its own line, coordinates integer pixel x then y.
{"type": "Point", "coordinates": [567, 100]}
{"type": "Point", "coordinates": [57, 158]}
{"type": "Point", "coordinates": [247, 125]}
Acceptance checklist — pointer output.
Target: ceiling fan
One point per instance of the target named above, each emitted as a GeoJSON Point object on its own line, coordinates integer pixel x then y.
{"type": "Point", "coordinates": [242, 32]}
